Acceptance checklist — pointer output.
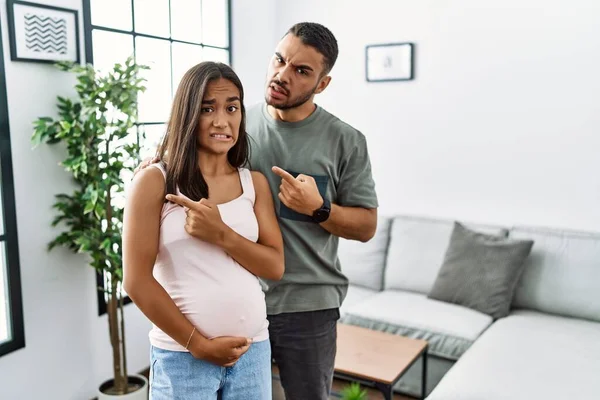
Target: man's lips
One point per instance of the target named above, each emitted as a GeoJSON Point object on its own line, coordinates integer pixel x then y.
{"type": "Point", "coordinates": [280, 91]}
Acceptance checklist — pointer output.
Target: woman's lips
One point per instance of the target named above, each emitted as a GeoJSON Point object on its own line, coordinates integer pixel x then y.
{"type": "Point", "coordinates": [221, 137]}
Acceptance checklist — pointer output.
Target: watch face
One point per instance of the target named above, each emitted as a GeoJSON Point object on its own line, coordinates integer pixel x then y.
{"type": "Point", "coordinates": [321, 215]}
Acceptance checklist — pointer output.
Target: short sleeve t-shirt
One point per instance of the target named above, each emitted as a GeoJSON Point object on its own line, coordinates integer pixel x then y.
{"type": "Point", "coordinates": [336, 156]}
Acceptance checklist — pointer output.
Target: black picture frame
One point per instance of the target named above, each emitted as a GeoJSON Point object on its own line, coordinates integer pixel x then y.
{"type": "Point", "coordinates": [61, 39]}
{"type": "Point", "coordinates": [390, 62]}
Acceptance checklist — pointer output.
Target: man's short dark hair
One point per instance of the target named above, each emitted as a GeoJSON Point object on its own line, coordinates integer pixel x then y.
{"type": "Point", "coordinates": [319, 37]}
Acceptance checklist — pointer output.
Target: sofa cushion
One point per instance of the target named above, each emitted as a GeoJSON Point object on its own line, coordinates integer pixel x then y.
{"type": "Point", "coordinates": [363, 263]}
{"type": "Point", "coordinates": [355, 295]}
{"type": "Point", "coordinates": [449, 329]}
{"type": "Point", "coordinates": [525, 356]}
{"type": "Point", "coordinates": [481, 271]}
{"type": "Point", "coordinates": [417, 248]}
{"type": "Point", "coordinates": [562, 274]}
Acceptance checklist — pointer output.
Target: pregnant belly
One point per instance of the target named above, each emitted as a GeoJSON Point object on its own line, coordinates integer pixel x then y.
{"type": "Point", "coordinates": [233, 310]}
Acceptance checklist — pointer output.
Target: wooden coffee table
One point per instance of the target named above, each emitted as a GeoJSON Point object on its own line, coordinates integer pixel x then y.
{"type": "Point", "coordinates": [377, 359]}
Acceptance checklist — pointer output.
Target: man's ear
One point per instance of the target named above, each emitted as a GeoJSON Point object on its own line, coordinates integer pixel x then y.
{"type": "Point", "coordinates": [323, 84]}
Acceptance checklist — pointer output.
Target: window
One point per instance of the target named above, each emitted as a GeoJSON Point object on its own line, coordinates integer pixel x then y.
{"type": "Point", "coordinates": [170, 36]}
{"type": "Point", "coordinates": [12, 336]}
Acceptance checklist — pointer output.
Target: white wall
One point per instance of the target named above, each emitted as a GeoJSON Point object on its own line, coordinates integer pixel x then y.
{"type": "Point", "coordinates": [502, 123]}
{"type": "Point", "coordinates": [253, 42]}
{"type": "Point", "coordinates": [67, 351]}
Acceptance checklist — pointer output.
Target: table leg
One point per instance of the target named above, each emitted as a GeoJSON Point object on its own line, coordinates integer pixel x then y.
{"type": "Point", "coordinates": [387, 390]}
{"type": "Point", "coordinates": [424, 377]}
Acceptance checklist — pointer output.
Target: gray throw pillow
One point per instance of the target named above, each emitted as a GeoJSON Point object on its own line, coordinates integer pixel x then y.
{"type": "Point", "coordinates": [481, 271]}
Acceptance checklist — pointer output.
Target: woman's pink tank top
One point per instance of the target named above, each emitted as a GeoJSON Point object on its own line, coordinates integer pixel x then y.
{"type": "Point", "coordinates": [217, 295]}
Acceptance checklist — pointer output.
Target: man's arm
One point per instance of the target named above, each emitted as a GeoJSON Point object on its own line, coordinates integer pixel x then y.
{"type": "Point", "coordinates": [353, 223]}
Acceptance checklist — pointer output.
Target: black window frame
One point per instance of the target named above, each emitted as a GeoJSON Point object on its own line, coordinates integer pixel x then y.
{"type": "Point", "coordinates": [89, 57]}
{"type": "Point", "coordinates": [10, 236]}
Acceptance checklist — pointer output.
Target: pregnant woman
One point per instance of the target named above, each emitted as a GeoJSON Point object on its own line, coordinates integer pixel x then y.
{"type": "Point", "coordinates": [199, 230]}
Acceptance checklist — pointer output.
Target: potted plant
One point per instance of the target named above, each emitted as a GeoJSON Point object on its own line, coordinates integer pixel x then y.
{"type": "Point", "coordinates": [354, 392]}
{"type": "Point", "coordinates": [96, 130]}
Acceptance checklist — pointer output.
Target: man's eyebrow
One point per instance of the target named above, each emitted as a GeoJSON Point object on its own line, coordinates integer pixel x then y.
{"type": "Point", "coordinates": [307, 67]}
{"type": "Point", "coordinates": [234, 98]}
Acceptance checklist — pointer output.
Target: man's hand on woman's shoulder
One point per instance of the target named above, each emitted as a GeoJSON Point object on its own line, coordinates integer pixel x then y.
{"type": "Point", "coordinates": [145, 162]}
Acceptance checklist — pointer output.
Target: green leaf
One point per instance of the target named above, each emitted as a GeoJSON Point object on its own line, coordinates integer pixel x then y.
{"type": "Point", "coordinates": [89, 207]}
{"type": "Point", "coordinates": [65, 125]}
{"type": "Point", "coordinates": [105, 244]}
{"type": "Point", "coordinates": [98, 211]}
{"type": "Point", "coordinates": [94, 197]}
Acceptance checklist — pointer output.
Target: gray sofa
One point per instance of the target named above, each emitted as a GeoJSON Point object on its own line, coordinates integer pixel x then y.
{"type": "Point", "coordinates": [547, 348]}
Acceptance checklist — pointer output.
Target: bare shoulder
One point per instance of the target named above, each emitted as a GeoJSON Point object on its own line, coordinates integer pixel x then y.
{"type": "Point", "coordinates": [261, 185]}
{"type": "Point", "coordinates": [148, 183]}
{"type": "Point", "coordinates": [258, 178]}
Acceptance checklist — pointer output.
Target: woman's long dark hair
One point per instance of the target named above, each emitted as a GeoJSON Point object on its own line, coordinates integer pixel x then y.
{"type": "Point", "coordinates": [179, 148]}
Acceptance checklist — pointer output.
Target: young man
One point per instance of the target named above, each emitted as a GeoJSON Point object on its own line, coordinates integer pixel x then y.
{"type": "Point", "coordinates": [319, 171]}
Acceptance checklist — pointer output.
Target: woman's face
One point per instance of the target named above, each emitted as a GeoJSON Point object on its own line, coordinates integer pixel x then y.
{"type": "Point", "coordinates": [220, 117]}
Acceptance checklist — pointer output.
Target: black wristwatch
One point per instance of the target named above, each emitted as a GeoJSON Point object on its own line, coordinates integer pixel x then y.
{"type": "Point", "coordinates": [322, 214]}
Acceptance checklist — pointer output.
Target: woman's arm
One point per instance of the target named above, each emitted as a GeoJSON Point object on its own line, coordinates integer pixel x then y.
{"type": "Point", "coordinates": [141, 227]}
{"type": "Point", "coordinates": [265, 258]}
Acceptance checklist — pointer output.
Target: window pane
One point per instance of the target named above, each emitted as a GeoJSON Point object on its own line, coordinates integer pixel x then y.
{"type": "Point", "coordinates": [215, 23]}
{"type": "Point", "coordinates": [111, 13]}
{"type": "Point", "coordinates": [4, 303]}
{"type": "Point", "coordinates": [186, 20]}
{"type": "Point", "coordinates": [185, 56]}
{"type": "Point", "coordinates": [220, 55]}
{"type": "Point", "coordinates": [110, 48]}
{"type": "Point", "coordinates": [153, 137]}
{"type": "Point", "coordinates": [152, 17]}
{"type": "Point", "coordinates": [120, 291]}
{"type": "Point", "coordinates": [155, 102]}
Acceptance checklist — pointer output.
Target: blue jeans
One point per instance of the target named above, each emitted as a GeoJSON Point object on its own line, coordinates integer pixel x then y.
{"type": "Point", "coordinates": [178, 375]}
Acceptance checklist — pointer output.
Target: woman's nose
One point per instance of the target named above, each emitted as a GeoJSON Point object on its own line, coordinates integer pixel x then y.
{"type": "Point", "coordinates": [219, 121]}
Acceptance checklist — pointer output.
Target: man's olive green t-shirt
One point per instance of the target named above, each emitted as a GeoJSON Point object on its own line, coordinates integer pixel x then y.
{"type": "Point", "coordinates": [336, 156]}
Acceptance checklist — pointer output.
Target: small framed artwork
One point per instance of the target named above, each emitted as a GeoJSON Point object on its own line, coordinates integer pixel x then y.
{"type": "Point", "coordinates": [42, 33]}
{"type": "Point", "coordinates": [389, 62]}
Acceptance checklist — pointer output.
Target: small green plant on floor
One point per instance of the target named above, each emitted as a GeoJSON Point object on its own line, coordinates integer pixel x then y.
{"type": "Point", "coordinates": [354, 392]}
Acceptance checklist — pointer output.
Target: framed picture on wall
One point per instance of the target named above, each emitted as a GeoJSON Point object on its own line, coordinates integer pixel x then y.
{"type": "Point", "coordinates": [389, 62]}
{"type": "Point", "coordinates": [42, 33]}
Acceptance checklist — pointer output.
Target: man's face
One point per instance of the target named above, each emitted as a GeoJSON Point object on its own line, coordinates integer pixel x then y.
{"type": "Point", "coordinates": [294, 74]}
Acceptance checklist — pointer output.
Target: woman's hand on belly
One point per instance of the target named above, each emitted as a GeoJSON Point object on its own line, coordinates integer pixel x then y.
{"type": "Point", "coordinates": [224, 351]}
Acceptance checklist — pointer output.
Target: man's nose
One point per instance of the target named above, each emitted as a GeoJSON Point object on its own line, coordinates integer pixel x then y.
{"type": "Point", "coordinates": [284, 74]}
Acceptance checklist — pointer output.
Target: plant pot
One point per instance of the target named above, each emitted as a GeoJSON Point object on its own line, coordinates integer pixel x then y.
{"type": "Point", "coordinates": [139, 382]}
